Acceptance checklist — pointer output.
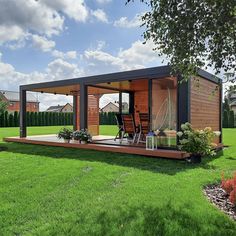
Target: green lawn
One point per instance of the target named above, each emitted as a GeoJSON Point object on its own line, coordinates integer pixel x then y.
{"type": "Point", "coordinates": [58, 191]}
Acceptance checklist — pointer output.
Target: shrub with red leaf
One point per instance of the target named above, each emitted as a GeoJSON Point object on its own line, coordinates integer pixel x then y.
{"type": "Point", "coordinates": [229, 186]}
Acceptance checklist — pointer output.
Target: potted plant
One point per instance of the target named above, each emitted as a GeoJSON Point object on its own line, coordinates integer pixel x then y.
{"type": "Point", "coordinates": [66, 134]}
{"type": "Point", "coordinates": [77, 136]}
{"type": "Point", "coordinates": [85, 136]}
{"type": "Point", "coordinates": [196, 142]}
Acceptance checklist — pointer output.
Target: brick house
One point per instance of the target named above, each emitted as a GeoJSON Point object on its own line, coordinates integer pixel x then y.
{"type": "Point", "coordinates": [61, 108]}
{"type": "Point", "coordinates": [13, 100]}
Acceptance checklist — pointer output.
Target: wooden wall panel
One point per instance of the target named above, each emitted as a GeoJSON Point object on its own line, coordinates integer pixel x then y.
{"type": "Point", "coordinates": [205, 107]}
{"type": "Point", "coordinates": [140, 104]}
{"type": "Point", "coordinates": [93, 114]}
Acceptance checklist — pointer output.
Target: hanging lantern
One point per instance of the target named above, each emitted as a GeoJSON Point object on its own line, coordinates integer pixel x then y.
{"type": "Point", "coordinates": [162, 139]}
{"type": "Point", "coordinates": [151, 143]}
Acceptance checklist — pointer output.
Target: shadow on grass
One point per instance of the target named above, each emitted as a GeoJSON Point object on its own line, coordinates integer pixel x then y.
{"type": "Point", "coordinates": [160, 165]}
{"type": "Point", "coordinates": [152, 220]}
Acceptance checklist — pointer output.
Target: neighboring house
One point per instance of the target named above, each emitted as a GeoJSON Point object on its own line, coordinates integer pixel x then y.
{"type": "Point", "coordinates": [233, 106]}
{"type": "Point", "coordinates": [232, 100]}
{"type": "Point", "coordinates": [112, 107]}
{"type": "Point", "coordinates": [13, 100]}
{"type": "Point", "coordinates": [61, 108]}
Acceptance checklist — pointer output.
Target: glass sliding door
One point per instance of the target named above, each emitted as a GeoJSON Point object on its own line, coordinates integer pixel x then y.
{"type": "Point", "coordinates": [164, 111]}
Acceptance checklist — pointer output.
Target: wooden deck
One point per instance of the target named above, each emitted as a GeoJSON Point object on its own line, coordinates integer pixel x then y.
{"type": "Point", "coordinates": [52, 140]}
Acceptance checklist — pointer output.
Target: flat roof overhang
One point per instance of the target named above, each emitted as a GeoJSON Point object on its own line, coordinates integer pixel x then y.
{"type": "Point", "coordinates": [107, 83]}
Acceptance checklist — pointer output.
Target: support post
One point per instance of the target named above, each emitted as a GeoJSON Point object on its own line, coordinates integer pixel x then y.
{"type": "Point", "coordinates": [131, 102]}
{"type": "Point", "coordinates": [75, 112]}
{"type": "Point", "coordinates": [183, 100]}
{"type": "Point", "coordinates": [150, 103]}
{"type": "Point", "coordinates": [220, 110]}
{"type": "Point", "coordinates": [23, 131]}
{"type": "Point", "coordinates": [83, 106]}
{"type": "Point", "coordinates": [120, 109]}
{"type": "Point", "coordinates": [120, 102]}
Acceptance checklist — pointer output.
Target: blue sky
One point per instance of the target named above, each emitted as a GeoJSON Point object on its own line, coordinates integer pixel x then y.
{"type": "Point", "coordinates": [80, 36]}
{"type": "Point", "coordinates": [44, 40]}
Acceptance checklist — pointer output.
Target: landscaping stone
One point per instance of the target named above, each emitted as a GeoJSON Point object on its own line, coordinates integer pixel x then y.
{"type": "Point", "coordinates": [219, 198]}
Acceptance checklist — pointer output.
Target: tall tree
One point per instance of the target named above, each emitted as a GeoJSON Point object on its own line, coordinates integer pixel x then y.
{"type": "Point", "coordinates": [193, 33]}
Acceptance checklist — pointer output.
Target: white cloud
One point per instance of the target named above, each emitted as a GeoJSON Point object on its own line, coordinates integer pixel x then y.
{"type": "Point", "coordinates": [44, 17]}
{"type": "Point", "coordinates": [47, 45]}
{"type": "Point", "coordinates": [61, 69]}
{"type": "Point", "coordinates": [103, 1]}
{"type": "Point", "coordinates": [64, 55]}
{"type": "Point", "coordinates": [42, 43]}
{"type": "Point", "coordinates": [137, 56]}
{"type": "Point", "coordinates": [124, 22]}
{"type": "Point", "coordinates": [74, 9]}
{"type": "Point", "coordinates": [17, 17]}
{"type": "Point", "coordinates": [95, 61]}
{"type": "Point", "coordinates": [56, 70]}
{"type": "Point", "coordinates": [10, 33]}
{"type": "Point", "coordinates": [100, 15]}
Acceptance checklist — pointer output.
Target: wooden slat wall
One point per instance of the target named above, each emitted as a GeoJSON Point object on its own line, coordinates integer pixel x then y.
{"type": "Point", "coordinates": [93, 114]}
{"type": "Point", "coordinates": [205, 107]}
{"type": "Point", "coordinates": [140, 104]}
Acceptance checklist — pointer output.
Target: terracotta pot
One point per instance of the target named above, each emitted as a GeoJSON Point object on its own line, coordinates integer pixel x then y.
{"type": "Point", "coordinates": [77, 141]}
{"type": "Point", "coordinates": [67, 140]}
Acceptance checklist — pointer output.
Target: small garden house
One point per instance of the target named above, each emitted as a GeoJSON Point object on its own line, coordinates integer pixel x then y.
{"type": "Point", "coordinates": [153, 94]}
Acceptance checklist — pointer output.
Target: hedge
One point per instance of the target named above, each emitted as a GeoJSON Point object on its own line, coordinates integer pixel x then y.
{"type": "Point", "coordinates": [49, 119]}
{"type": "Point", "coordinates": [225, 119]}
{"type": "Point", "coordinates": [107, 118]}
{"type": "Point", "coordinates": [36, 119]}
{"type": "Point", "coordinates": [231, 119]}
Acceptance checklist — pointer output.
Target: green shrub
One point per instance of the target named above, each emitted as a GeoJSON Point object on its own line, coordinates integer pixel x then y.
{"type": "Point", "coordinates": [196, 142]}
{"type": "Point", "coordinates": [231, 119]}
{"type": "Point", "coordinates": [2, 120]}
{"type": "Point", "coordinates": [225, 119]}
{"type": "Point", "coordinates": [6, 122]}
{"type": "Point", "coordinates": [11, 120]}
{"type": "Point", "coordinates": [16, 119]}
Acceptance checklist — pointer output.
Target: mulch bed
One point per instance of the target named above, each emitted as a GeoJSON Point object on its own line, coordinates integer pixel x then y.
{"type": "Point", "coordinates": [219, 198]}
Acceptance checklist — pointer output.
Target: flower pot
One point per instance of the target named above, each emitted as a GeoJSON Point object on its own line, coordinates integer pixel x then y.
{"type": "Point", "coordinates": [84, 142]}
{"type": "Point", "coordinates": [67, 140]}
{"type": "Point", "coordinates": [195, 158]}
{"type": "Point", "coordinates": [77, 141]}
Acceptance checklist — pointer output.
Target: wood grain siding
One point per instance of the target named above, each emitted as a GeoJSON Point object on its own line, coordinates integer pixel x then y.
{"type": "Point", "coordinates": [93, 114]}
{"type": "Point", "coordinates": [140, 104]}
{"type": "Point", "coordinates": [205, 107]}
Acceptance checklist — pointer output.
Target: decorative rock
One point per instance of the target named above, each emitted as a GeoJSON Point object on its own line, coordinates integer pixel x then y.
{"type": "Point", "coordinates": [220, 199]}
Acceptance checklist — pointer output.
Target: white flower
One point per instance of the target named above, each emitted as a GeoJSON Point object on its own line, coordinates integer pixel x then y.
{"type": "Point", "coordinates": [217, 133]}
{"type": "Point", "coordinates": [179, 134]}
